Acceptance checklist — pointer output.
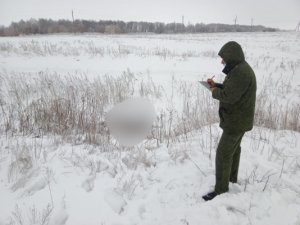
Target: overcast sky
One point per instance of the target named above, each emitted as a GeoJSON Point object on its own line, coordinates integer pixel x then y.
{"type": "Point", "coordinates": [283, 14]}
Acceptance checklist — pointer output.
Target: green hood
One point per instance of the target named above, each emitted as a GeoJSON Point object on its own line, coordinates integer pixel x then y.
{"type": "Point", "coordinates": [232, 53]}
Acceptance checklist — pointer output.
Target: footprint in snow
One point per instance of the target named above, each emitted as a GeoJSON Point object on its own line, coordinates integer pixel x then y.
{"type": "Point", "coordinates": [115, 201]}
{"type": "Point", "coordinates": [88, 184]}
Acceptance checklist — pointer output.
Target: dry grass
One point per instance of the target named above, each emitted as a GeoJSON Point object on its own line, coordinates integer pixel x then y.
{"type": "Point", "coordinates": [90, 48]}
{"type": "Point", "coordinates": [53, 104]}
{"type": "Point", "coordinates": [74, 106]}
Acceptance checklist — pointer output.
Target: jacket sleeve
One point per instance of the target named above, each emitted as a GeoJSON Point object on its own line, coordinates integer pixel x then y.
{"type": "Point", "coordinates": [232, 90]}
{"type": "Point", "coordinates": [218, 85]}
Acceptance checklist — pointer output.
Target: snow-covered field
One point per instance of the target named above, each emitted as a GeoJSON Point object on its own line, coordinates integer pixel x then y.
{"type": "Point", "coordinates": [56, 171]}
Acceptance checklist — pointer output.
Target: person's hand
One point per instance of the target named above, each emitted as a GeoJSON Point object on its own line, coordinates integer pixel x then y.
{"type": "Point", "coordinates": [211, 82]}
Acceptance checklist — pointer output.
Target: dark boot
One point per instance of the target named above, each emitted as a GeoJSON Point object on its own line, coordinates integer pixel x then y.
{"type": "Point", "coordinates": [210, 196]}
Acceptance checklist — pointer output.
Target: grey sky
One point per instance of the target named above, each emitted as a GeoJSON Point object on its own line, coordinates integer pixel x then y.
{"type": "Point", "coordinates": [274, 13]}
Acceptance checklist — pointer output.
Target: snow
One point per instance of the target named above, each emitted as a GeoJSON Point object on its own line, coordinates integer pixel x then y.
{"type": "Point", "coordinates": [44, 178]}
{"type": "Point", "coordinates": [166, 191]}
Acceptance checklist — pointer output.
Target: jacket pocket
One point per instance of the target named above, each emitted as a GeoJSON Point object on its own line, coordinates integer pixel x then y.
{"type": "Point", "coordinates": [226, 115]}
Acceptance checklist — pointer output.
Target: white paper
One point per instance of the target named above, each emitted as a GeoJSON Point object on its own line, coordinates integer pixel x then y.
{"type": "Point", "coordinates": [205, 84]}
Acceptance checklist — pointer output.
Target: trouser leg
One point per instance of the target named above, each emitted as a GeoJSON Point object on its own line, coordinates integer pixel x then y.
{"type": "Point", "coordinates": [227, 159]}
{"type": "Point", "coordinates": [236, 162]}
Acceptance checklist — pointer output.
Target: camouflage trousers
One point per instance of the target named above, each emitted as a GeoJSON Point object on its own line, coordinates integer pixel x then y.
{"type": "Point", "coordinates": [228, 159]}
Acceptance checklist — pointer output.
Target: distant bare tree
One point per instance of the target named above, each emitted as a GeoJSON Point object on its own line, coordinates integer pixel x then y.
{"type": "Point", "coordinates": [43, 26]}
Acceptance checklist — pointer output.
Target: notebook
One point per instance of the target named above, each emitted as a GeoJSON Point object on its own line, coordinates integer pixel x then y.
{"type": "Point", "coordinates": [205, 84]}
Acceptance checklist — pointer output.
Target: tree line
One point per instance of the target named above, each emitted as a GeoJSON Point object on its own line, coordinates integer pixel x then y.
{"type": "Point", "coordinates": [48, 26]}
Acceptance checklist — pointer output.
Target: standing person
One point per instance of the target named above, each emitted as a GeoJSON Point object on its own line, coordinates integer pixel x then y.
{"type": "Point", "coordinates": [236, 97]}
